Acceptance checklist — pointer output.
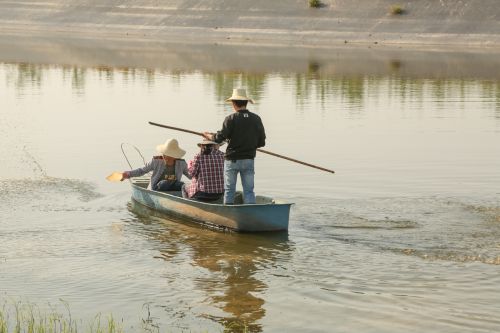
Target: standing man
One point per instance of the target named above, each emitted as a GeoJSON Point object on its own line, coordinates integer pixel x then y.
{"type": "Point", "coordinates": [245, 133]}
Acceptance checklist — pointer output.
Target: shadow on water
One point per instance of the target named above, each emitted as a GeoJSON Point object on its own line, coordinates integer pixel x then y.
{"type": "Point", "coordinates": [233, 261]}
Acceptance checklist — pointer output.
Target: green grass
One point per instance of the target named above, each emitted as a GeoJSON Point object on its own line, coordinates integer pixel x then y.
{"type": "Point", "coordinates": [397, 10]}
{"type": "Point", "coordinates": [17, 317]}
{"type": "Point", "coordinates": [315, 3]}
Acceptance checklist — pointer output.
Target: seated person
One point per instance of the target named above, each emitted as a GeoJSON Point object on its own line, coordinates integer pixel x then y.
{"type": "Point", "coordinates": [207, 173]}
{"type": "Point", "coordinates": [167, 168]}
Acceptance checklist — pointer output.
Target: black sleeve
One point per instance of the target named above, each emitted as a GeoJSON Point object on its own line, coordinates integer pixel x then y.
{"type": "Point", "coordinates": [225, 132]}
{"type": "Point", "coordinates": [262, 135]}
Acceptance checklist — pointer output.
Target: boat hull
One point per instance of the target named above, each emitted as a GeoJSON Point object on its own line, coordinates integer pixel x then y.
{"type": "Point", "coordinates": [270, 216]}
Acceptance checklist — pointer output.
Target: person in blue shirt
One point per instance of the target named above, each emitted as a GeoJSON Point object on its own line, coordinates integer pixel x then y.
{"type": "Point", "coordinates": [167, 168]}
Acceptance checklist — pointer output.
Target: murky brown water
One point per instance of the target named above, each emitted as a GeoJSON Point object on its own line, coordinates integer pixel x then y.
{"type": "Point", "coordinates": [405, 237]}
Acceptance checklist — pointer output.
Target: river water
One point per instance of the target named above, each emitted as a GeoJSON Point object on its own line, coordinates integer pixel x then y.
{"type": "Point", "coordinates": [405, 237]}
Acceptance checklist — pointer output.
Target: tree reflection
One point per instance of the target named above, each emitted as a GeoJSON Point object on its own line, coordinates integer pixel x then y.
{"type": "Point", "coordinates": [28, 76]}
{"type": "Point", "coordinates": [78, 80]}
{"type": "Point", "coordinates": [316, 84]}
{"type": "Point", "coordinates": [233, 261]}
{"type": "Point", "coordinates": [224, 82]}
{"type": "Point", "coordinates": [492, 91]}
{"type": "Point", "coordinates": [321, 87]}
{"type": "Point", "coordinates": [106, 73]}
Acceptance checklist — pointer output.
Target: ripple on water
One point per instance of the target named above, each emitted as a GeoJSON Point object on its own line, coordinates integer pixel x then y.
{"type": "Point", "coordinates": [350, 221]}
{"type": "Point", "coordinates": [427, 227]}
{"type": "Point", "coordinates": [51, 217]}
{"type": "Point", "coordinates": [475, 239]}
{"type": "Point", "coordinates": [46, 194]}
{"type": "Point", "coordinates": [491, 213]}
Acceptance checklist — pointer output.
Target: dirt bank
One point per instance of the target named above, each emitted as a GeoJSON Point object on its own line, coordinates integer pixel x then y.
{"type": "Point", "coordinates": [277, 22]}
{"type": "Point", "coordinates": [433, 38]}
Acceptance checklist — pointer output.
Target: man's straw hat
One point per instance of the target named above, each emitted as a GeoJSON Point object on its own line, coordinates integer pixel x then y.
{"type": "Point", "coordinates": [171, 148]}
{"type": "Point", "coordinates": [239, 94]}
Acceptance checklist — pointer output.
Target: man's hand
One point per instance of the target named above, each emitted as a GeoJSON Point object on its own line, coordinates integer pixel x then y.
{"type": "Point", "coordinates": [208, 136]}
{"type": "Point", "coordinates": [125, 175]}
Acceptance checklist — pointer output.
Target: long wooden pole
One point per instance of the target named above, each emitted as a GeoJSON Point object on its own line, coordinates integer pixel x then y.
{"type": "Point", "coordinates": [260, 150]}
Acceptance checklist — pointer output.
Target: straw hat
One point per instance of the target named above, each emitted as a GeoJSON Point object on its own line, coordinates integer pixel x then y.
{"type": "Point", "coordinates": [207, 142]}
{"type": "Point", "coordinates": [171, 148]}
{"type": "Point", "coordinates": [239, 94]}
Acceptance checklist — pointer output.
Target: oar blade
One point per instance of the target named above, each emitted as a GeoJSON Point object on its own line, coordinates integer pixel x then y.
{"type": "Point", "coordinates": [114, 177]}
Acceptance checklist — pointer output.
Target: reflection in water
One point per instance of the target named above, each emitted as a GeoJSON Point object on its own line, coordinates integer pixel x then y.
{"type": "Point", "coordinates": [492, 90]}
{"type": "Point", "coordinates": [232, 260]}
{"type": "Point", "coordinates": [395, 65]}
{"type": "Point", "coordinates": [105, 73]}
{"type": "Point", "coordinates": [321, 87]}
{"type": "Point", "coordinates": [77, 76]}
{"type": "Point", "coordinates": [225, 82]}
{"type": "Point", "coordinates": [25, 76]}
{"type": "Point", "coordinates": [315, 84]}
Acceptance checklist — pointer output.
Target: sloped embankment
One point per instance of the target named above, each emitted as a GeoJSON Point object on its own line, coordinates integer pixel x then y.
{"type": "Point", "coordinates": [284, 22]}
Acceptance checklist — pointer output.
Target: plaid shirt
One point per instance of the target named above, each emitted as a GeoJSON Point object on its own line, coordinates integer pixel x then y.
{"type": "Point", "coordinates": [207, 172]}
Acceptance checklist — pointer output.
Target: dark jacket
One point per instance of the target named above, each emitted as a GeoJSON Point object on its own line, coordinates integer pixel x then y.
{"type": "Point", "coordinates": [244, 132]}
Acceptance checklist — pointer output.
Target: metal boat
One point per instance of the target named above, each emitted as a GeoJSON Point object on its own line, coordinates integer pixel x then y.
{"type": "Point", "coordinates": [266, 215]}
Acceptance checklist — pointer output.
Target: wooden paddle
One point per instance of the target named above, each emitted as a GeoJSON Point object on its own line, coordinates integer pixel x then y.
{"type": "Point", "coordinates": [260, 150]}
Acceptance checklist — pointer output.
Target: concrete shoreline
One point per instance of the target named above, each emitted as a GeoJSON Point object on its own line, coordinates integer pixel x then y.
{"type": "Point", "coordinates": [278, 22]}
{"type": "Point", "coordinates": [345, 36]}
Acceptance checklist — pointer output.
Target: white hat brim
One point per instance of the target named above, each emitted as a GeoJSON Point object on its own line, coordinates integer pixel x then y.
{"type": "Point", "coordinates": [239, 98]}
{"type": "Point", "coordinates": [175, 153]}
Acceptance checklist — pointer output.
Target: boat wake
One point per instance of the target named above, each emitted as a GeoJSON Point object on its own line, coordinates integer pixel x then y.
{"type": "Point", "coordinates": [430, 228]}
{"type": "Point", "coordinates": [357, 222]}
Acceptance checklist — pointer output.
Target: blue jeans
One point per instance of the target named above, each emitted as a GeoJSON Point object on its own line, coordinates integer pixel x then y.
{"type": "Point", "coordinates": [166, 185]}
{"type": "Point", "coordinates": [247, 172]}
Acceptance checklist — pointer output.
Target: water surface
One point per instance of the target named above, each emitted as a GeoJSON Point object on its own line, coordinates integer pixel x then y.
{"type": "Point", "coordinates": [404, 237]}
